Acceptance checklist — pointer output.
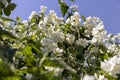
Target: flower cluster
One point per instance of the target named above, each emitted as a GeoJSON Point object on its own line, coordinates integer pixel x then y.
{"type": "Point", "coordinates": [111, 66]}
{"type": "Point", "coordinates": [70, 49]}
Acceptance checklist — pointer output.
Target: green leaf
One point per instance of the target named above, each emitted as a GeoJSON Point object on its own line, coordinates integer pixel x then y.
{"type": "Point", "coordinates": [8, 1]}
{"type": "Point", "coordinates": [64, 7]}
{"type": "Point", "coordinates": [11, 6]}
{"type": "Point", "coordinates": [1, 11]}
{"type": "Point", "coordinates": [7, 34]}
{"type": "Point", "coordinates": [2, 5]}
{"type": "Point", "coordinates": [7, 11]}
{"type": "Point", "coordinates": [5, 70]}
{"type": "Point", "coordinates": [7, 52]}
{"type": "Point", "coordinates": [3, 2]}
{"type": "Point", "coordinates": [18, 18]}
{"type": "Point", "coordinates": [69, 15]}
{"type": "Point", "coordinates": [50, 76]}
{"type": "Point", "coordinates": [35, 47]}
{"type": "Point", "coordinates": [53, 63]}
{"type": "Point", "coordinates": [84, 18]}
{"type": "Point", "coordinates": [102, 47]}
{"type": "Point", "coordinates": [29, 57]}
{"type": "Point", "coordinates": [7, 19]}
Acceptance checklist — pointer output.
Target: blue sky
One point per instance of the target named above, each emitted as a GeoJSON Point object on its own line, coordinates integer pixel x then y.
{"type": "Point", "coordinates": [107, 10]}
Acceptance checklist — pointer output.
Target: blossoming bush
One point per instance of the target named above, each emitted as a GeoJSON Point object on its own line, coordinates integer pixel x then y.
{"type": "Point", "coordinates": [48, 47]}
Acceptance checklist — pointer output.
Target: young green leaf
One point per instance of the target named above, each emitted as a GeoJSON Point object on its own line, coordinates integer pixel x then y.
{"type": "Point", "coordinates": [7, 19]}
{"type": "Point", "coordinates": [18, 18]}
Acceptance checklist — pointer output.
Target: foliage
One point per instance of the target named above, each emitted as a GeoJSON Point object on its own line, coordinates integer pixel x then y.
{"type": "Point", "coordinates": [6, 7]}
{"type": "Point", "coordinates": [47, 47]}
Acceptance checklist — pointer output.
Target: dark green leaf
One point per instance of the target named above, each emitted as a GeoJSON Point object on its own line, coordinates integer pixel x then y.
{"type": "Point", "coordinates": [50, 76]}
{"type": "Point", "coordinates": [2, 6]}
{"type": "Point", "coordinates": [1, 11]}
{"type": "Point", "coordinates": [83, 17]}
{"type": "Point", "coordinates": [64, 7]}
{"type": "Point", "coordinates": [7, 11]}
{"type": "Point", "coordinates": [69, 15]}
{"type": "Point", "coordinates": [3, 2]}
{"type": "Point", "coordinates": [8, 1]}
{"type": "Point", "coordinates": [103, 48]}
{"type": "Point", "coordinates": [7, 52]}
{"type": "Point", "coordinates": [11, 6]}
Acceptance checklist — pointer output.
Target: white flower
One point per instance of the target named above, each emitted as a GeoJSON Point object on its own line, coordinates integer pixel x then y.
{"type": "Point", "coordinates": [50, 31]}
{"type": "Point", "coordinates": [49, 48]}
{"type": "Point", "coordinates": [99, 33]}
{"type": "Point", "coordinates": [43, 9]}
{"type": "Point", "coordinates": [46, 41]}
{"type": "Point", "coordinates": [52, 13]}
{"type": "Point", "coordinates": [32, 15]}
{"type": "Point", "coordinates": [58, 36]}
{"type": "Point", "coordinates": [106, 66]}
{"type": "Point", "coordinates": [74, 7]}
{"type": "Point", "coordinates": [93, 41]}
{"type": "Point", "coordinates": [89, 19]}
{"type": "Point", "coordinates": [25, 22]}
{"type": "Point", "coordinates": [41, 25]}
{"type": "Point", "coordinates": [115, 70]}
{"type": "Point", "coordinates": [29, 76]}
{"type": "Point", "coordinates": [88, 77]}
{"type": "Point", "coordinates": [58, 50]}
{"type": "Point", "coordinates": [75, 19]}
{"type": "Point", "coordinates": [112, 48]}
{"type": "Point", "coordinates": [68, 21]}
{"type": "Point", "coordinates": [100, 77]}
{"type": "Point", "coordinates": [112, 66]}
{"type": "Point", "coordinates": [70, 38]}
{"type": "Point", "coordinates": [82, 42]}
{"type": "Point", "coordinates": [57, 71]}
{"type": "Point", "coordinates": [48, 45]}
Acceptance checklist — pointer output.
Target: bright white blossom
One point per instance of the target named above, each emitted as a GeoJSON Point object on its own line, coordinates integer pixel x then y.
{"type": "Point", "coordinates": [88, 77]}
{"type": "Point", "coordinates": [70, 38]}
{"type": "Point", "coordinates": [57, 71]}
{"type": "Point", "coordinates": [74, 7]}
{"type": "Point", "coordinates": [74, 20]}
{"type": "Point", "coordinates": [112, 66]}
{"type": "Point", "coordinates": [43, 9]}
{"type": "Point", "coordinates": [58, 36]}
{"type": "Point", "coordinates": [82, 42]}
{"type": "Point", "coordinates": [100, 77]}
{"type": "Point", "coordinates": [58, 50]}
{"type": "Point", "coordinates": [32, 15]}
